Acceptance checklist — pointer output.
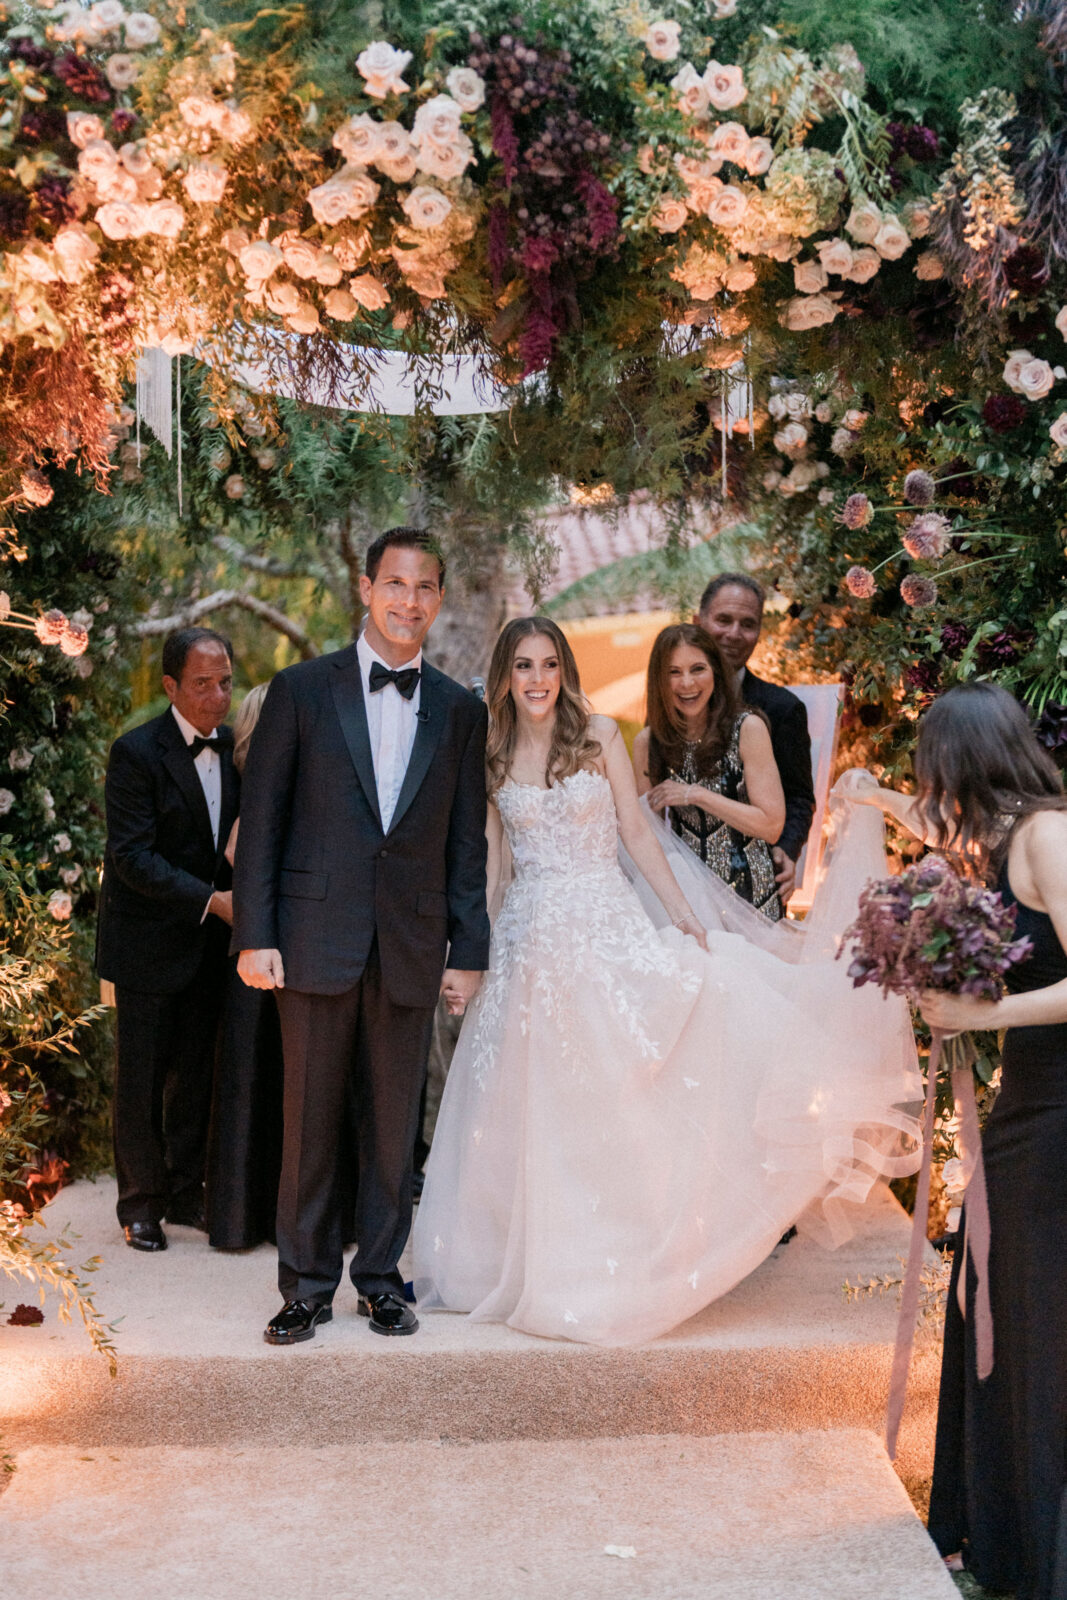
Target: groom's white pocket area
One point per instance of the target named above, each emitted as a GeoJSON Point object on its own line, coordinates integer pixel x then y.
{"type": "Point", "coordinates": [303, 885]}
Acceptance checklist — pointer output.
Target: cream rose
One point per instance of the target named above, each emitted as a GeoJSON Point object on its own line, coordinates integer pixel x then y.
{"type": "Point", "coordinates": [724, 8]}
{"type": "Point", "coordinates": [205, 182]}
{"type": "Point", "coordinates": [198, 111]}
{"type": "Point", "coordinates": [425, 207]}
{"type": "Point", "coordinates": [83, 126]}
{"type": "Point", "coordinates": [98, 161]}
{"type": "Point", "coordinates": [60, 905]}
{"type": "Point", "coordinates": [1058, 431]}
{"type": "Point", "coordinates": [301, 257]}
{"type": "Point", "coordinates": [1035, 379]}
{"type": "Point", "coordinates": [135, 159]}
{"type": "Point", "coordinates": [691, 90]}
{"type": "Point", "coordinates": [1015, 363]}
{"type": "Point", "coordinates": [107, 16]}
{"type": "Point", "coordinates": [728, 208]}
{"type": "Point", "coordinates": [165, 219]}
{"type": "Point", "coordinates": [37, 266]}
{"type": "Point", "coordinates": [369, 291]}
{"type": "Point", "coordinates": [929, 266]}
{"type": "Point", "coordinates": [809, 311]}
{"type": "Point", "coordinates": [260, 260]}
{"type": "Point", "coordinates": [725, 86]}
{"type": "Point", "coordinates": [791, 439]}
{"type": "Point", "coordinates": [917, 217]}
{"type": "Point", "coordinates": [76, 252]}
{"type": "Point", "coordinates": [359, 140]}
{"type": "Point", "coordinates": [340, 305]}
{"type": "Point", "coordinates": [396, 155]}
{"type": "Point", "coordinates": [809, 277]}
{"type": "Point", "coordinates": [119, 186]}
{"type": "Point", "coordinates": [122, 219]}
{"type": "Point", "coordinates": [122, 70]}
{"type": "Point", "coordinates": [445, 160]}
{"type": "Point", "coordinates": [466, 88]}
{"type": "Point", "coordinates": [892, 239]}
{"type": "Point", "coordinates": [758, 157]}
{"type": "Point", "coordinates": [141, 29]}
{"type": "Point", "coordinates": [1061, 322]}
{"type": "Point", "coordinates": [730, 142]}
{"type": "Point", "coordinates": [349, 193]}
{"type": "Point", "coordinates": [670, 215]}
{"type": "Point", "coordinates": [436, 119]}
{"type": "Point", "coordinates": [798, 405]}
{"type": "Point", "coordinates": [864, 222]}
{"type": "Point", "coordinates": [380, 66]}
{"type": "Point", "coordinates": [660, 39]}
{"type": "Point", "coordinates": [837, 255]}
{"type": "Point", "coordinates": [865, 263]}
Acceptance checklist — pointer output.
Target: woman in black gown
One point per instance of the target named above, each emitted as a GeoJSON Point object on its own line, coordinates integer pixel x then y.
{"type": "Point", "coordinates": [708, 759]}
{"type": "Point", "coordinates": [999, 1500]}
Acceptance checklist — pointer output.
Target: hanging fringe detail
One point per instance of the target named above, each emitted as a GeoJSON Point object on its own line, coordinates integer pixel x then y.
{"type": "Point", "coordinates": [154, 396]}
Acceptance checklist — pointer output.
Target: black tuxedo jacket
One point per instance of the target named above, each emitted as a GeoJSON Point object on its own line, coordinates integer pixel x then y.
{"type": "Point", "coordinates": [161, 862]}
{"type": "Point", "coordinates": [317, 878]}
{"type": "Point", "coordinates": [791, 744]}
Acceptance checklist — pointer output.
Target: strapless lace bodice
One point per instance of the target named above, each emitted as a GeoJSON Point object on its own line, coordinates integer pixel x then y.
{"type": "Point", "coordinates": [567, 831]}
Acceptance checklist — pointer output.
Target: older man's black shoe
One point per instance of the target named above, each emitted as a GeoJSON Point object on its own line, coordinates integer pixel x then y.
{"type": "Point", "coordinates": [145, 1236]}
{"type": "Point", "coordinates": [296, 1321]}
{"type": "Point", "coordinates": [388, 1313]}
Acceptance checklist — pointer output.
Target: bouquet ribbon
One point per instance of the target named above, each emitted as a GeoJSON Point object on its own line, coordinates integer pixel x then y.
{"type": "Point", "coordinates": [975, 1243]}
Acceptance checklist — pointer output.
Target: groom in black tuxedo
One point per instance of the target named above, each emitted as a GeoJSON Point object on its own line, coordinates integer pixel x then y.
{"type": "Point", "coordinates": [360, 869]}
{"type": "Point", "coordinates": [163, 931]}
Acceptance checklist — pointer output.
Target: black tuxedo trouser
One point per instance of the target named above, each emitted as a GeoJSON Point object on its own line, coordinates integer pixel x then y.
{"type": "Point", "coordinates": [355, 1056]}
{"type": "Point", "coordinates": [164, 1065]}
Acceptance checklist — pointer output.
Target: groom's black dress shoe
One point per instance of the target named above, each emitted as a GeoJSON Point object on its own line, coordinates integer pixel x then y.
{"type": "Point", "coordinates": [145, 1236]}
{"type": "Point", "coordinates": [296, 1321]}
{"type": "Point", "coordinates": [388, 1313]}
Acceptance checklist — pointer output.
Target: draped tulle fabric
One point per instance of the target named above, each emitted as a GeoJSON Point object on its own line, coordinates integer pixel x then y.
{"type": "Point", "coordinates": [630, 1124]}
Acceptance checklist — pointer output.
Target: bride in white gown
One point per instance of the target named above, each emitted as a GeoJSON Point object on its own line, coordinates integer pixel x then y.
{"type": "Point", "coordinates": [634, 1115]}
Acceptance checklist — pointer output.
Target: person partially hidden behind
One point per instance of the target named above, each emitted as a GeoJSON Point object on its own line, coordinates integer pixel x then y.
{"type": "Point", "coordinates": [731, 610]}
{"type": "Point", "coordinates": [163, 932]}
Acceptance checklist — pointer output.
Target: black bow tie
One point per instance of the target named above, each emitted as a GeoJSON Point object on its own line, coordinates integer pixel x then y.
{"type": "Point", "coordinates": [200, 743]}
{"type": "Point", "coordinates": [405, 679]}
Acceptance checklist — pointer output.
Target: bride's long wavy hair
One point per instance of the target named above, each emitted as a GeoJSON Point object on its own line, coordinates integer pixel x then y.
{"type": "Point", "coordinates": [573, 746]}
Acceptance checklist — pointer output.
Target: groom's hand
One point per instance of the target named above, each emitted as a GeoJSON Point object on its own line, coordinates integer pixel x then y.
{"type": "Point", "coordinates": [459, 989]}
{"type": "Point", "coordinates": [261, 969]}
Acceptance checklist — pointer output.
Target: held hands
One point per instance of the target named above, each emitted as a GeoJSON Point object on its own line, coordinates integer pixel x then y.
{"type": "Point", "coordinates": [261, 969]}
{"type": "Point", "coordinates": [459, 989]}
{"type": "Point", "coordinates": [785, 873]}
{"type": "Point", "coordinates": [959, 1013]}
{"type": "Point", "coordinates": [670, 793]}
{"type": "Point", "coordinates": [861, 787]}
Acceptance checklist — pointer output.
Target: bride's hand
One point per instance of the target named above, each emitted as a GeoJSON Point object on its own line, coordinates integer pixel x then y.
{"type": "Point", "coordinates": [861, 787]}
{"type": "Point", "coordinates": [694, 928]}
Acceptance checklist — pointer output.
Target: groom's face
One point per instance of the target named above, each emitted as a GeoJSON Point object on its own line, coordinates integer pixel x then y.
{"type": "Point", "coordinates": [403, 599]}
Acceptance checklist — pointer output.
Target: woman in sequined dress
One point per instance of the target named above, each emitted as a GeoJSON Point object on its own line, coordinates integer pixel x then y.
{"type": "Point", "coordinates": [707, 761]}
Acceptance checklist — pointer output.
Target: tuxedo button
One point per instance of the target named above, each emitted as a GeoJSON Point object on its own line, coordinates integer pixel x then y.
{"type": "Point", "coordinates": [383, 853]}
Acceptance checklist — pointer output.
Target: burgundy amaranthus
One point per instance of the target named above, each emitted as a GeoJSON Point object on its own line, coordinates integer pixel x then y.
{"type": "Point", "coordinates": [1003, 412]}
{"type": "Point", "coordinates": [931, 929]}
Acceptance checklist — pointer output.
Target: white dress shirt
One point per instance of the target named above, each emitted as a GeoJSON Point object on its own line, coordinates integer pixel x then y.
{"type": "Point", "coordinates": [391, 722]}
{"type": "Point", "coordinates": [208, 770]}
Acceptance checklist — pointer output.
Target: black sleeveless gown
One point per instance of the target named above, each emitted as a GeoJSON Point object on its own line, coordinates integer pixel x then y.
{"type": "Point", "coordinates": [1000, 1470]}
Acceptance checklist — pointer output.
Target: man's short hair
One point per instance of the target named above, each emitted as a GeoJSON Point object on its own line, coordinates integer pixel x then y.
{"type": "Point", "coordinates": [176, 648]}
{"type": "Point", "coordinates": [731, 580]}
{"type": "Point", "coordinates": [403, 539]}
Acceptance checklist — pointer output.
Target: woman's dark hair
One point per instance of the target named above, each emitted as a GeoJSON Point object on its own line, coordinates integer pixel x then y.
{"type": "Point", "coordinates": [980, 770]}
{"type": "Point", "coordinates": [176, 648]}
{"type": "Point", "coordinates": [573, 746]}
{"type": "Point", "coordinates": [667, 727]}
{"type": "Point", "coordinates": [403, 539]}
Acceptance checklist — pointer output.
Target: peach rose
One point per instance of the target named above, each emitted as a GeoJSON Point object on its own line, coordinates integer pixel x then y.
{"type": "Point", "coordinates": [340, 305]}
{"type": "Point", "coordinates": [60, 905]}
{"type": "Point", "coordinates": [380, 66]}
{"type": "Point", "coordinates": [349, 193]}
{"type": "Point", "coordinates": [150, 184]}
{"type": "Point", "coordinates": [730, 141]}
{"type": "Point", "coordinates": [76, 252]}
{"type": "Point", "coordinates": [396, 154]}
{"type": "Point", "coordinates": [917, 217]}
{"type": "Point", "coordinates": [198, 111]}
{"type": "Point", "coordinates": [809, 277]}
{"type": "Point", "coordinates": [865, 263]}
{"type": "Point", "coordinates": [233, 124]}
{"type": "Point", "coordinates": [864, 222]}
{"type": "Point", "coordinates": [1015, 363]}
{"type": "Point", "coordinates": [369, 291]}
{"type": "Point", "coordinates": [82, 126]}
{"type": "Point", "coordinates": [425, 207]}
{"type": "Point", "coordinates": [740, 277]}
{"type": "Point", "coordinates": [122, 219]}
{"type": "Point", "coordinates": [259, 260]}
{"type": "Point", "coordinates": [107, 16]}
{"type": "Point", "coordinates": [141, 29]}
{"type": "Point", "coordinates": [892, 239]}
{"type": "Point", "coordinates": [301, 257]}
{"type": "Point", "coordinates": [791, 439]}
{"type": "Point", "coordinates": [205, 182]}
{"type": "Point", "coordinates": [166, 219]}
{"type": "Point", "coordinates": [466, 88]}
{"type": "Point", "coordinates": [806, 312]}
{"type": "Point", "coordinates": [328, 270]}
{"type": "Point", "coordinates": [929, 266]}
{"type": "Point", "coordinates": [122, 70]}
{"type": "Point", "coordinates": [728, 208]}
{"type": "Point", "coordinates": [36, 266]}
{"type": "Point", "coordinates": [359, 140]}
{"type": "Point", "coordinates": [98, 161]}
{"type": "Point", "coordinates": [670, 215]}
{"type": "Point", "coordinates": [660, 39]}
{"type": "Point", "coordinates": [1035, 379]}
{"type": "Point", "coordinates": [691, 90]}
{"type": "Point", "coordinates": [725, 86]}
{"type": "Point", "coordinates": [135, 159]}
{"type": "Point", "coordinates": [285, 299]}
{"type": "Point", "coordinates": [120, 186]}
{"type": "Point", "coordinates": [836, 255]}
{"type": "Point", "coordinates": [350, 251]}
{"type": "Point", "coordinates": [758, 157]}
{"type": "Point", "coordinates": [1058, 431]}
{"type": "Point", "coordinates": [1061, 322]}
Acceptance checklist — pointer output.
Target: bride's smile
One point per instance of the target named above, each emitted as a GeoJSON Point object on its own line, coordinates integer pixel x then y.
{"type": "Point", "coordinates": [535, 679]}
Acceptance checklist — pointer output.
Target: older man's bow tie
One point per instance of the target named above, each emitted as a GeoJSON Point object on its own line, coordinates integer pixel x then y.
{"type": "Point", "coordinates": [199, 744]}
{"type": "Point", "coordinates": [405, 679]}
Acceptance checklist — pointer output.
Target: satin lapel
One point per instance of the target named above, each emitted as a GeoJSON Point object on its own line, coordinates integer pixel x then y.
{"type": "Point", "coordinates": [428, 730]}
{"type": "Point", "coordinates": [347, 690]}
{"type": "Point", "coordinates": [230, 792]}
{"type": "Point", "coordinates": [179, 763]}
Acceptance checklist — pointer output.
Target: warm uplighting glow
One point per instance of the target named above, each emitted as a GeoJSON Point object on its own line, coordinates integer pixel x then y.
{"type": "Point", "coordinates": [591, 494]}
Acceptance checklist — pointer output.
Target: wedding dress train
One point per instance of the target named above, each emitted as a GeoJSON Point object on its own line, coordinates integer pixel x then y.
{"type": "Point", "coordinates": [630, 1124]}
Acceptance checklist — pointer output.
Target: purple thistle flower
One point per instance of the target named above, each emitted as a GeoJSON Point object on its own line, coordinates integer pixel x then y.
{"type": "Point", "coordinates": [919, 488]}
{"type": "Point", "coordinates": [918, 592]}
{"type": "Point", "coordinates": [860, 582]}
{"type": "Point", "coordinates": [856, 512]}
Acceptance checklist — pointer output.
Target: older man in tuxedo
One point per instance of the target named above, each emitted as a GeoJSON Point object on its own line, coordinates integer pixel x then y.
{"type": "Point", "coordinates": [360, 897]}
{"type": "Point", "coordinates": [163, 933]}
{"type": "Point", "coordinates": [731, 610]}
